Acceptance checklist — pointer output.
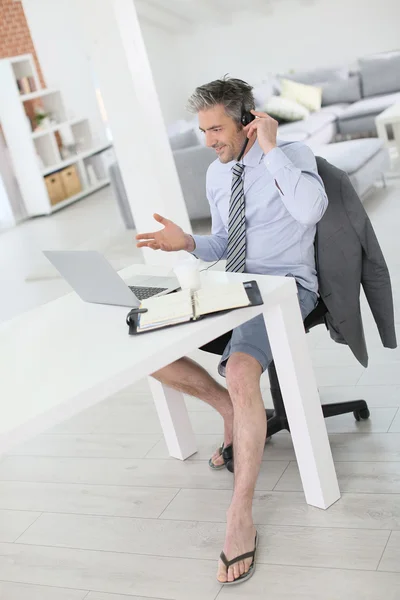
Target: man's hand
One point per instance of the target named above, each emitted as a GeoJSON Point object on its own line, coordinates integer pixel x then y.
{"type": "Point", "coordinates": [169, 239]}
{"type": "Point", "coordinates": [266, 129]}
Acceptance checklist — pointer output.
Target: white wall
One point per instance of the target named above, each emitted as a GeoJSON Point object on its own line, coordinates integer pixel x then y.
{"type": "Point", "coordinates": [297, 34]}
{"type": "Point", "coordinates": [166, 67]}
{"type": "Point", "coordinates": [55, 32]}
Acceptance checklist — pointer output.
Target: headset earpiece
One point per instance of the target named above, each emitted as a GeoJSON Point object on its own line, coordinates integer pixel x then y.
{"type": "Point", "coordinates": [247, 117]}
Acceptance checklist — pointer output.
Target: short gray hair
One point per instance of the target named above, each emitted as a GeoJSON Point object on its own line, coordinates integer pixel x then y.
{"type": "Point", "coordinates": [234, 94]}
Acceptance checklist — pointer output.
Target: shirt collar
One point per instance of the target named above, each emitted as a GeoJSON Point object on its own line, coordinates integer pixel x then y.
{"type": "Point", "coordinates": [254, 156]}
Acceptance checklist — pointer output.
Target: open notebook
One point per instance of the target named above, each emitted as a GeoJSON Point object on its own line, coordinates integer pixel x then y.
{"type": "Point", "coordinates": [185, 306]}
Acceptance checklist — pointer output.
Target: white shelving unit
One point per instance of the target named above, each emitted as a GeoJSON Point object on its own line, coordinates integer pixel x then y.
{"type": "Point", "coordinates": [36, 154]}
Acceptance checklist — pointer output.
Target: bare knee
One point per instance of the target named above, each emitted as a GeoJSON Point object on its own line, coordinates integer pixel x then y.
{"type": "Point", "coordinates": [243, 374]}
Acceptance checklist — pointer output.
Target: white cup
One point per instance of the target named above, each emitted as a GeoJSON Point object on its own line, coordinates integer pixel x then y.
{"type": "Point", "coordinates": [188, 274]}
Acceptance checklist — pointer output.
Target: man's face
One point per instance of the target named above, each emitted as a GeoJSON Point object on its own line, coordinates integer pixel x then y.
{"type": "Point", "coordinates": [222, 133]}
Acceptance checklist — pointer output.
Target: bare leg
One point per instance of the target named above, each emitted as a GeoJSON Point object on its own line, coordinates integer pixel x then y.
{"type": "Point", "coordinates": [249, 432]}
{"type": "Point", "coordinates": [189, 377]}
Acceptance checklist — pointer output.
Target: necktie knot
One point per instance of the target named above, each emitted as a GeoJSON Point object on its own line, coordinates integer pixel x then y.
{"type": "Point", "coordinates": [238, 169]}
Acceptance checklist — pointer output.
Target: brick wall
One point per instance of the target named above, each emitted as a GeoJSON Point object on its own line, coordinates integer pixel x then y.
{"type": "Point", "coordinates": [15, 37]}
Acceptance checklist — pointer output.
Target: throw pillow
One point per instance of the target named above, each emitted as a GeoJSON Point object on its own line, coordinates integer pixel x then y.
{"type": "Point", "coordinates": [285, 109]}
{"type": "Point", "coordinates": [307, 95]}
{"type": "Point", "coordinates": [347, 90]}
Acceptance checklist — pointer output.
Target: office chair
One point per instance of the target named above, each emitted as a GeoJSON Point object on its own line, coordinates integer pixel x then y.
{"type": "Point", "coordinates": [277, 419]}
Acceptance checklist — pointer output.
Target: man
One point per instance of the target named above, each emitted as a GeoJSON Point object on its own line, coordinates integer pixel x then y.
{"type": "Point", "coordinates": [264, 213]}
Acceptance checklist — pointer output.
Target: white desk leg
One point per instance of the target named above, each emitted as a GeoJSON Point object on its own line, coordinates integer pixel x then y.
{"type": "Point", "coordinates": [174, 419]}
{"type": "Point", "coordinates": [303, 408]}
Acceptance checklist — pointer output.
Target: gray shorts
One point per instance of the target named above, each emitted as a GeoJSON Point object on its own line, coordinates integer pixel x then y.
{"type": "Point", "coordinates": [252, 338]}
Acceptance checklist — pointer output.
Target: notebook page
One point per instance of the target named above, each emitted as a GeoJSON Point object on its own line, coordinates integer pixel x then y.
{"type": "Point", "coordinates": [220, 297]}
{"type": "Point", "coordinates": [164, 310]}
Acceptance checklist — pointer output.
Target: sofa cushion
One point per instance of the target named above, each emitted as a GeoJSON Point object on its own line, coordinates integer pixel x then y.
{"type": "Point", "coordinates": [314, 123]}
{"type": "Point", "coordinates": [350, 156]}
{"type": "Point", "coordinates": [286, 109]}
{"type": "Point", "coordinates": [318, 75]}
{"type": "Point", "coordinates": [307, 95]}
{"type": "Point", "coordinates": [184, 140]}
{"type": "Point", "coordinates": [321, 125]}
{"type": "Point", "coordinates": [335, 109]}
{"type": "Point", "coordinates": [326, 135]}
{"type": "Point", "coordinates": [373, 160]}
{"type": "Point", "coordinates": [341, 90]}
{"type": "Point", "coordinates": [380, 73]}
{"type": "Point", "coordinates": [288, 133]}
{"type": "Point", "coordinates": [358, 126]}
{"type": "Point", "coordinates": [369, 106]}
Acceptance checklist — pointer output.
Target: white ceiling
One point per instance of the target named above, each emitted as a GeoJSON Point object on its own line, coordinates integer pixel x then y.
{"type": "Point", "coordinates": [186, 15]}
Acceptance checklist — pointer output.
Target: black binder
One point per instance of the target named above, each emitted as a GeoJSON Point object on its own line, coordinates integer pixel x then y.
{"type": "Point", "coordinates": [252, 291]}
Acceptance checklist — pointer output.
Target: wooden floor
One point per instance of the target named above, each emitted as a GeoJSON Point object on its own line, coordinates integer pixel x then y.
{"type": "Point", "coordinates": [96, 509]}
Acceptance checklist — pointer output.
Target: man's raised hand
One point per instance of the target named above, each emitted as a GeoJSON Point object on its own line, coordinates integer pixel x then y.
{"type": "Point", "coordinates": [169, 239]}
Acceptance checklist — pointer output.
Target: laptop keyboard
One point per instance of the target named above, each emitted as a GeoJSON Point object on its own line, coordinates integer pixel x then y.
{"type": "Point", "coordinates": [145, 292]}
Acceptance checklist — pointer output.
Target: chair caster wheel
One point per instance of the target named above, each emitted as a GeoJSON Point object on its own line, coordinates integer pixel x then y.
{"type": "Point", "coordinates": [361, 415]}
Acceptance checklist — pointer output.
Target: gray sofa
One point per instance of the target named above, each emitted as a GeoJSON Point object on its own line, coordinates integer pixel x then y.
{"type": "Point", "coordinates": [380, 88]}
{"type": "Point", "coordinates": [319, 128]}
{"type": "Point", "coordinates": [355, 97]}
{"type": "Point", "coordinates": [351, 101]}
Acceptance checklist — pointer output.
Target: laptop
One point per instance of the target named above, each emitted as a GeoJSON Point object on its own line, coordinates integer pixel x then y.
{"type": "Point", "coordinates": [94, 279]}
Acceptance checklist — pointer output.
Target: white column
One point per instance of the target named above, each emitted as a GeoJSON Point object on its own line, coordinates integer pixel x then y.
{"type": "Point", "coordinates": [114, 42]}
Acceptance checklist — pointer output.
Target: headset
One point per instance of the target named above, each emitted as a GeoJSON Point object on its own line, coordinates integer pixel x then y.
{"type": "Point", "coordinates": [246, 118]}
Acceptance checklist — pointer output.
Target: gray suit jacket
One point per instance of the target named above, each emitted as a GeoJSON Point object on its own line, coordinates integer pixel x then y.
{"type": "Point", "coordinates": [348, 254]}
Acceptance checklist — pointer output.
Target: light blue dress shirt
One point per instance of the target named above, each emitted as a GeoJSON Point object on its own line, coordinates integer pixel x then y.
{"type": "Point", "coordinates": [285, 198]}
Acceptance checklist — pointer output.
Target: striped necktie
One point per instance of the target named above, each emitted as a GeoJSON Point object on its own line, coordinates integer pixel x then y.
{"type": "Point", "coordinates": [236, 254]}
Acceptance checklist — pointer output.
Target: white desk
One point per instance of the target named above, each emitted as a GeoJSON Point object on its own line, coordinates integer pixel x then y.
{"type": "Point", "coordinates": [67, 355]}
